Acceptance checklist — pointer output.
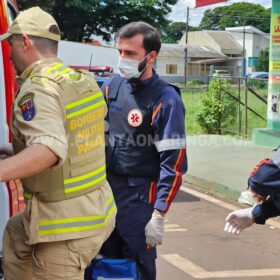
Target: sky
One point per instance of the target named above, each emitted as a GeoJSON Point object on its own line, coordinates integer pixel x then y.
{"type": "Point", "coordinates": [179, 11]}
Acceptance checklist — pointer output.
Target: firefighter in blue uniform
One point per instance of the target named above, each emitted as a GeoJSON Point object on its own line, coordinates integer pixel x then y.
{"type": "Point", "coordinates": [146, 147]}
{"type": "Point", "coordinates": [264, 182]}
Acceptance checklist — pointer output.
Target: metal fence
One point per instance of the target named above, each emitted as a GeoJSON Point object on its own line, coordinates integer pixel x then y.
{"type": "Point", "coordinates": [250, 96]}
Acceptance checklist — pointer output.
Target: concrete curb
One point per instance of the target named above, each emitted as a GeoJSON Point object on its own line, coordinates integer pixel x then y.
{"type": "Point", "coordinates": [212, 187]}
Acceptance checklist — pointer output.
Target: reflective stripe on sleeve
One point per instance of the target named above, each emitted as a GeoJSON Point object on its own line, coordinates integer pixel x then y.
{"type": "Point", "coordinates": [84, 105]}
{"type": "Point", "coordinates": [171, 144]}
{"type": "Point", "coordinates": [77, 224]}
{"type": "Point", "coordinates": [85, 181]}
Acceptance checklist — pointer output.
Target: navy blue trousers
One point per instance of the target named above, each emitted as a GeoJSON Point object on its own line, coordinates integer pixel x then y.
{"type": "Point", "coordinates": [134, 212]}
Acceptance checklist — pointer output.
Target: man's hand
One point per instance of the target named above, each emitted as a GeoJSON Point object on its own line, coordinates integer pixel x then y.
{"type": "Point", "coordinates": [238, 220]}
{"type": "Point", "coordinates": [6, 150]}
{"type": "Point", "coordinates": [154, 230]}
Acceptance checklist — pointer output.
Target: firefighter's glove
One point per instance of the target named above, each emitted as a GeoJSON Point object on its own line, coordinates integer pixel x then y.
{"type": "Point", "coordinates": [154, 230]}
{"type": "Point", "coordinates": [238, 220]}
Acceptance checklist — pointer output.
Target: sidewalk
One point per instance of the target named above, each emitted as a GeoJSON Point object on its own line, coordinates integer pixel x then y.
{"type": "Point", "coordinates": [221, 164]}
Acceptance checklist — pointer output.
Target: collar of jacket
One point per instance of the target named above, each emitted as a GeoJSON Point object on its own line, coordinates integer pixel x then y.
{"type": "Point", "coordinates": [34, 67]}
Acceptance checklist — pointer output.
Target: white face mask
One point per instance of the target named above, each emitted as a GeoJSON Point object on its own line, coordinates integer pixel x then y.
{"type": "Point", "coordinates": [129, 68]}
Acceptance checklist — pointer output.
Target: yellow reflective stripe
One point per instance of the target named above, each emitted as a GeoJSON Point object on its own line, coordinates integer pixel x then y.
{"type": "Point", "coordinates": [87, 185]}
{"type": "Point", "coordinates": [35, 78]}
{"type": "Point", "coordinates": [84, 105]}
{"type": "Point", "coordinates": [56, 66]}
{"type": "Point", "coordinates": [77, 219]}
{"type": "Point", "coordinates": [110, 200]}
{"type": "Point", "coordinates": [84, 100]}
{"type": "Point", "coordinates": [67, 70]}
{"type": "Point", "coordinates": [112, 210]}
{"type": "Point", "coordinates": [73, 229]}
{"type": "Point", "coordinates": [42, 80]}
{"type": "Point", "coordinates": [27, 195]}
{"type": "Point", "coordinates": [68, 225]}
{"type": "Point", "coordinates": [85, 110]}
{"type": "Point", "coordinates": [85, 176]}
{"type": "Point", "coordinates": [71, 220]}
{"type": "Point", "coordinates": [85, 181]}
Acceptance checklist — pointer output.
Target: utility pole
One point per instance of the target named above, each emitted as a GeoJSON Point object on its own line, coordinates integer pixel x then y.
{"type": "Point", "coordinates": [243, 52]}
{"type": "Point", "coordinates": [186, 48]}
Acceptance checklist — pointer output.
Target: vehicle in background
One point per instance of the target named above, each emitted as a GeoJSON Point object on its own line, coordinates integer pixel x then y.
{"type": "Point", "coordinates": [11, 194]}
{"type": "Point", "coordinates": [221, 73]}
{"type": "Point", "coordinates": [258, 75]}
{"type": "Point", "coordinates": [100, 60]}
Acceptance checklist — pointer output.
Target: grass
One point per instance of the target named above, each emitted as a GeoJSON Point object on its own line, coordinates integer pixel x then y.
{"type": "Point", "coordinates": [192, 101]}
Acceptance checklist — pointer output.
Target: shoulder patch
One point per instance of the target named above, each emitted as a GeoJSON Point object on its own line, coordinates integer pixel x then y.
{"type": "Point", "coordinates": [27, 107]}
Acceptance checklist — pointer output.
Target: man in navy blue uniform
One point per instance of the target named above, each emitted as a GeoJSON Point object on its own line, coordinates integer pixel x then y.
{"type": "Point", "coordinates": [264, 182]}
{"type": "Point", "coordinates": [146, 147]}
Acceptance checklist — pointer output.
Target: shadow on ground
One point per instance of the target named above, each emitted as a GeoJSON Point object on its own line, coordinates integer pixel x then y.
{"type": "Point", "coordinates": [185, 197]}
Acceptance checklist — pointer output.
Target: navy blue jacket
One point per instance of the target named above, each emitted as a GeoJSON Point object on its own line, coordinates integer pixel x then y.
{"type": "Point", "coordinates": [168, 124]}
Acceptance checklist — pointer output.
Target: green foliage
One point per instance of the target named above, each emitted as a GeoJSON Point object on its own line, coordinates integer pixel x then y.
{"type": "Point", "coordinates": [218, 108]}
{"type": "Point", "coordinates": [238, 14]}
{"type": "Point", "coordinates": [174, 32]}
{"type": "Point", "coordinates": [78, 19]}
{"type": "Point", "coordinates": [258, 84]}
{"type": "Point", "coordinates": [194, 83]}
{"type": "Point", "coordinates": [263, 61]}
{"type": "Point", "coordinates": [192, 103]}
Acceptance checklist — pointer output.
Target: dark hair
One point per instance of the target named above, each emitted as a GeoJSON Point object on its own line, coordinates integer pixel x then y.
{"type": "Point", "coordinates": [151, 41]}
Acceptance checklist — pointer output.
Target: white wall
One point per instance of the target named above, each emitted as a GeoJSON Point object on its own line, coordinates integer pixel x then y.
{"type": "Point", "coordinates": [163, 61]}
{"type": "Point", "coordinates": [254, 43]}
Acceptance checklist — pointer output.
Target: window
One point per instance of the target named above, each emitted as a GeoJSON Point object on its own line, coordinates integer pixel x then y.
{"type": "Point", "coordinates": [253, 61]}
{"type": "Point", "coordinates": [171, 68]}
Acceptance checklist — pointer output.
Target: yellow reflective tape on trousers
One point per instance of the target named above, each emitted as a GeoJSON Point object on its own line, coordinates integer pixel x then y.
{"type": "Point", "coordinates": [85, 181]}
{"type": "Point", "coordinates": [77, 224]}
{"type": "Point", "coordinates": [84, 105]}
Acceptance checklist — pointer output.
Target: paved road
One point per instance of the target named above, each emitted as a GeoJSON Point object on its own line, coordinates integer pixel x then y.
{"type": "Point", "coordinates": [196, 247]}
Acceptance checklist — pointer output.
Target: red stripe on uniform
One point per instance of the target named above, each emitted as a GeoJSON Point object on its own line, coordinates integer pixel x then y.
{"type": "Point", "coordinates": [179, 181]}
{"type": "Point", "coordinates": [153, 192]}
{"type": "Point", "coordinates": [178, 177]}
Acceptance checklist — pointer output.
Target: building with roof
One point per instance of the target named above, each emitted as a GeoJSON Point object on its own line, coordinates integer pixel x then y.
{"type": "Point", "coordinates": [170, 63]}
{"type": "Point", "coordinates": [229, 43]}
{"type": "Point", "coordinates": [254, 40]}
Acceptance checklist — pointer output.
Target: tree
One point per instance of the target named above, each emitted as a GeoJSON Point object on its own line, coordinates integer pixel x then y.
{"type": "Point", "coordinates": [78, 19]}
{"type": "Point", "coordinates": [238, 14]}
{"type": "Point", "coordinates": [174, 32]}
{"type": "Point", "coordinates": [263, 61]}
{"type": "Point", "coordinates": [218, 108]}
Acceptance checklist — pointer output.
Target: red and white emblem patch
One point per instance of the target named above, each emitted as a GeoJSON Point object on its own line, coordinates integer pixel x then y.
{"type": "Point", "coordinates": [135, 118]}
